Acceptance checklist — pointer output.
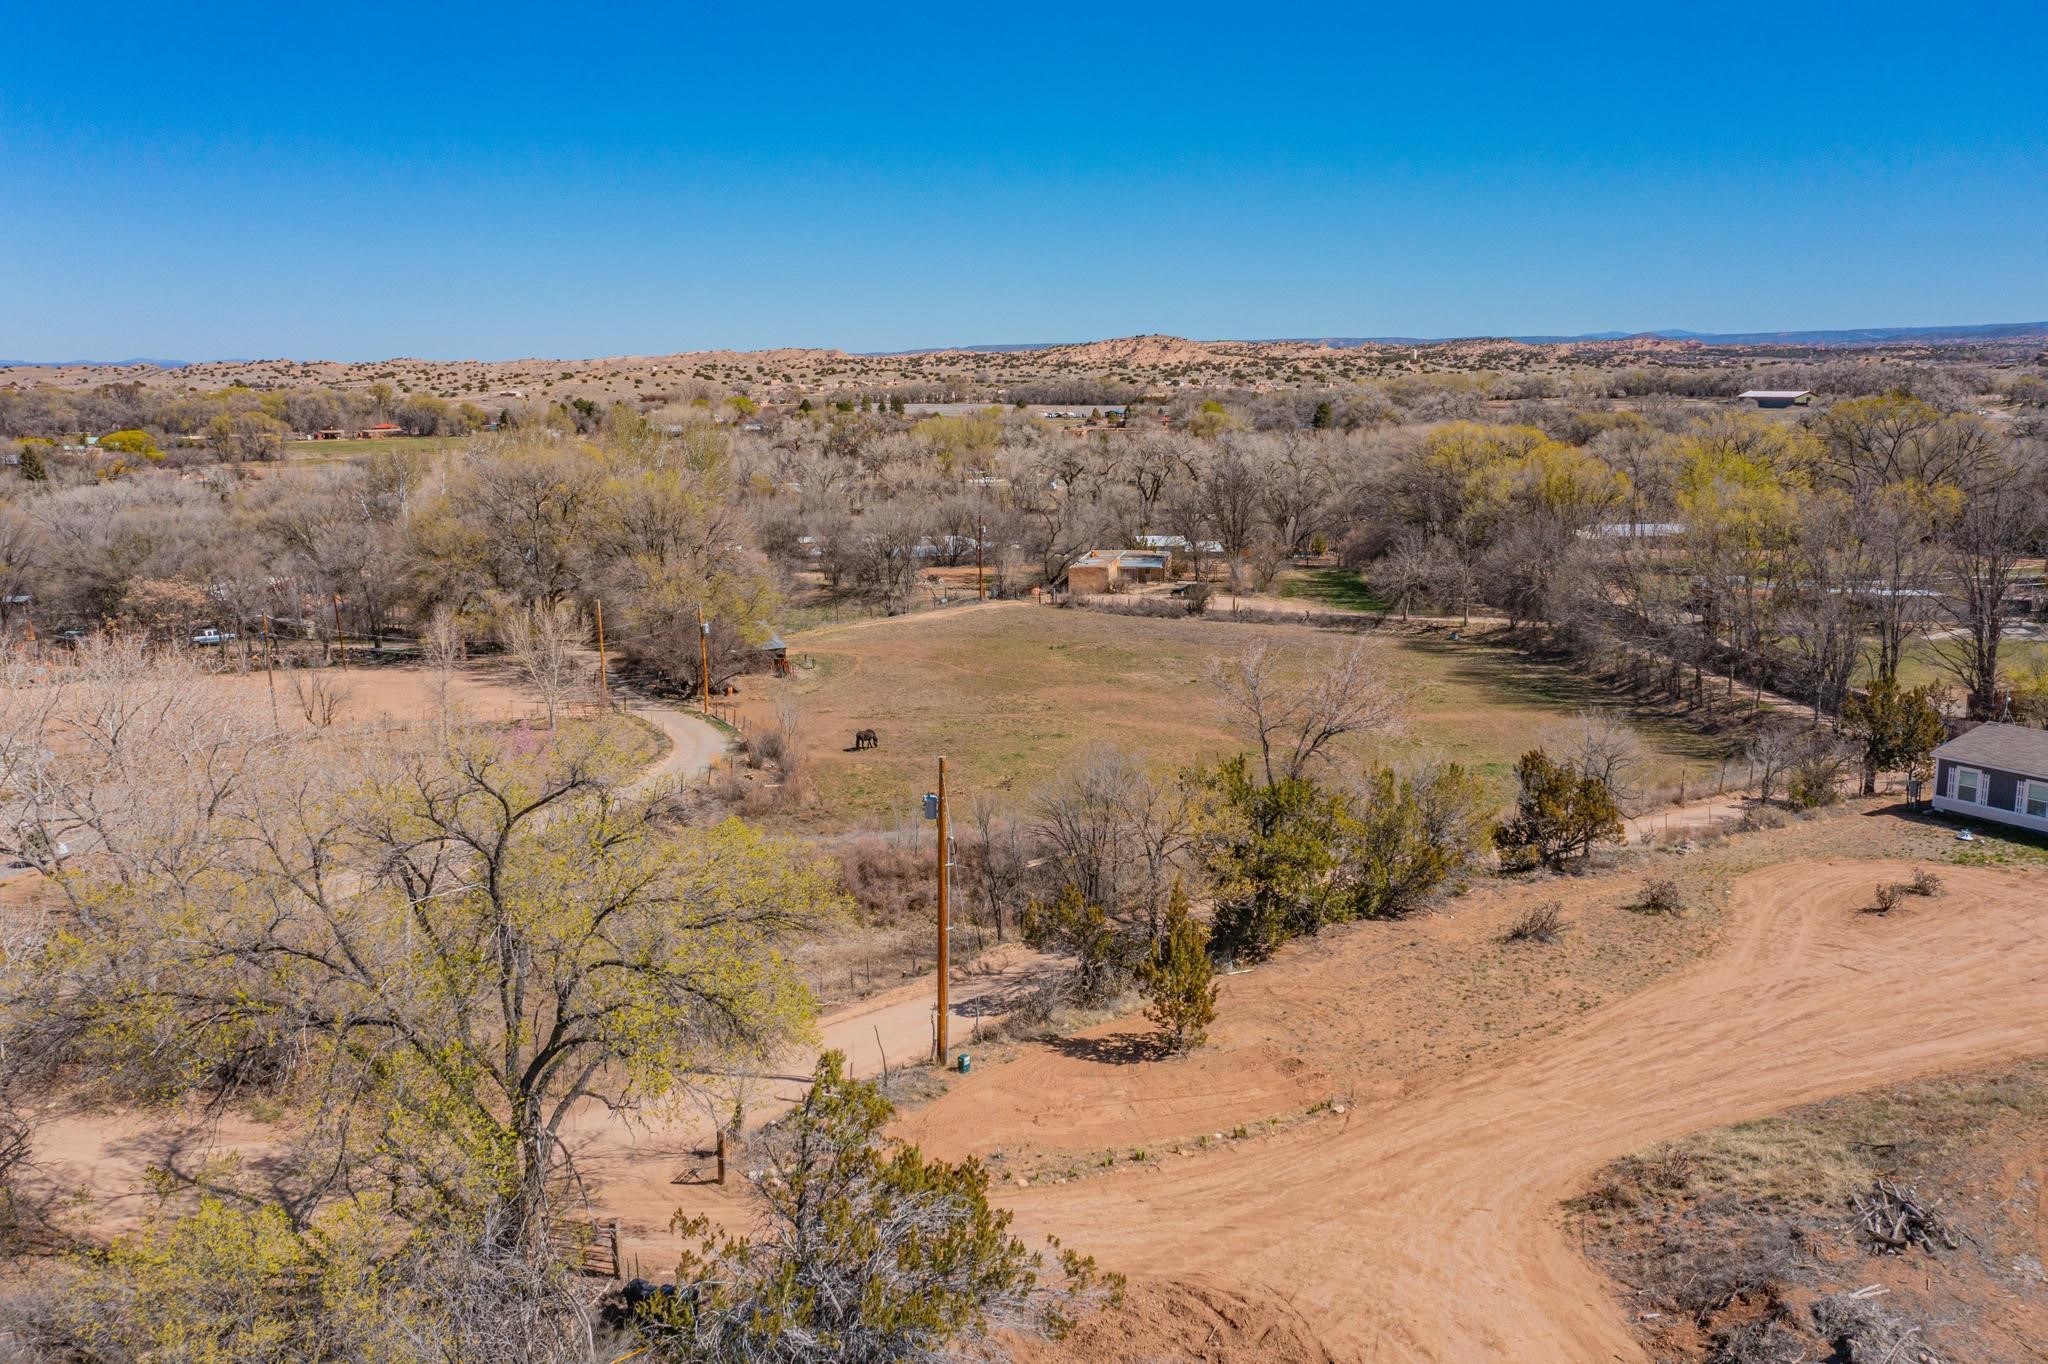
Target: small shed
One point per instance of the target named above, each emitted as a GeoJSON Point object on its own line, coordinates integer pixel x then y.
{"type": "Point", "coordinates": [777, 654]}
{"type": "Point", "coordinates": [1777, 397]}
{"type": "Point", "coordinates": [1997, 772]}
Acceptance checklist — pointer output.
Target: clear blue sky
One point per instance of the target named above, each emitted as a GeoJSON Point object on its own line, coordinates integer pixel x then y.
{"type": "Point", "coordinates": [362, 180]}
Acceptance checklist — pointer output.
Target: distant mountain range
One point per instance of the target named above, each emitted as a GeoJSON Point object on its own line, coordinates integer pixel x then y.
{"type": "Point", "coordinates": [1964, 335]}
{"type": "Point", "coordinates": [61, 364]}
{"type": "Point", "coordinates": [1857, 336]}
{"type": "Point", "coordinates": [1844, 338]}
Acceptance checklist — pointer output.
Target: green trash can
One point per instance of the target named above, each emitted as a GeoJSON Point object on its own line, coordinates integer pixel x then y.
{"type": "Point", "coordinates": [966, 1063]}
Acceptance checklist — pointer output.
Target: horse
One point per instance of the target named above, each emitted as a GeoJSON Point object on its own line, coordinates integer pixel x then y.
{"type": "Point", "coordinates": [865, 738]}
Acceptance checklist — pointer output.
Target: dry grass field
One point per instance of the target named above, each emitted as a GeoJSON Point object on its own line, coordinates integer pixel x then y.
{"type": "Point", "coordinates": [1011, 692]}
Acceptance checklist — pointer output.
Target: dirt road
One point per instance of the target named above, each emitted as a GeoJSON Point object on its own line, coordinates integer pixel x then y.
{"type": "Point", "coordinates": [1427, 1227]}
{"type": "Point", "coordinates": [693, 743]}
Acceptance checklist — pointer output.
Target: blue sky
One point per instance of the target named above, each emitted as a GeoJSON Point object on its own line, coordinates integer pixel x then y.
{"type": "Point", "coordinates": [367, 180]}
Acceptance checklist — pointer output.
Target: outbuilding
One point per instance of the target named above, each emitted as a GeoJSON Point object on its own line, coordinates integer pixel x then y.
{"type": "Point", "coordinates": [1995, 772]}
{"type": "Point", "coordinates": [1777, 397]}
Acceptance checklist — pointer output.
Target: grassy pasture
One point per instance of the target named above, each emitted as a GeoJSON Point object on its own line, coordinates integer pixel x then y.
{"type": "Point", "coordinates": [318, 451]}
{"type": "Point", "coordinates": [1012, 692]}
{"type": "Point", "coordinates": [1331, 589]}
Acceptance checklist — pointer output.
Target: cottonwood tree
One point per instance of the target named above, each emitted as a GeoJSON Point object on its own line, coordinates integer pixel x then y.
{"type": "Point", "coordinates": [440, 955]}
{"type": "Point", "coordinates": [1294, 719]}
{"type": "Point", "coordinates": [1896, 588]}
{"type": "Point", "coordinates": [546, 643]}
{"type": "Point", "coordinates": [444, 646]}
{"type": "Point", "coordinates": [1603, 746]}
{"type": "Point", "coordinates": [1115, 829]}
{"type": "Point", "coordinates": [1982, 551]}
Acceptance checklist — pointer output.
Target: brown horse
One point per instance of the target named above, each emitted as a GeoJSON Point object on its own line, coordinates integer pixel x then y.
{"type": "Point", "coordinates": [865, 738]}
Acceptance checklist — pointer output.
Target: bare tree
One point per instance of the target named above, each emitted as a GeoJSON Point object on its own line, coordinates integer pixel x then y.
{"type": "Point", "coordinates": [1600, 744]}
{"type": "Point", "coordinates": [996, 860]}
{"type": "Point", "coordinates": [321, 695]}
{"type": "Point", "coordinates": [444, 648]}
{"type": "Point", "coordinates": [1773, 752]}
{"type": "Point", "coordinates": [546, 641]}
{"type": "Point", "coordinates": [1295, 719]}
{"type": "Point", "coordinates": [1115, 831]}
{"type": "Point", "coordinates": [1982, 548]}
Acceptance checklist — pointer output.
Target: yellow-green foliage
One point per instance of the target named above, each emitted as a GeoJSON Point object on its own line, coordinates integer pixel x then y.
{"type": "Point", "coordinates": [446, 954]}
{"type": "Point", "coordinates": [970, 434]}
{"type": "Point", "coordinates": [139, 443]}
{"type": "Point", "coordinates": [216, 1283]}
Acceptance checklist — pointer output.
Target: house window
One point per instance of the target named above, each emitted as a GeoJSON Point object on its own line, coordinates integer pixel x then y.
{"type": "Point", "coordinates": [2034, 798]}
{"type": "Point", "coordinates": [1968, 784]}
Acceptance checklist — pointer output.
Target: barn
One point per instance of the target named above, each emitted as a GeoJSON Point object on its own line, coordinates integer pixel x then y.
{"type": "Point", "coordinates": [1777, 397]}
{"type": "Point", "coordinates": [1995, 772]}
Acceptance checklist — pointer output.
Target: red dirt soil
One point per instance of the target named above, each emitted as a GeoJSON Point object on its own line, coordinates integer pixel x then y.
{"type": "Point", "coordinates": [1426, 1227]}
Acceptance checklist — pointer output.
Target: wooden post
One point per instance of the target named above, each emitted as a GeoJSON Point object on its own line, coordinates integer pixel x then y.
{"type": "Point", "coordinates": [721, 1155]}
{"type": "Point", "coordinates": [980, 534]}
{"type": "Point", "coordinates": [604, 689]}
{"type": "Point", "coordinates": [269, 675]}
{"type": "Point", "coordinates": [944, 953]}
{"type": "Point", "coordinates": [340, 644]}
{"type": "Point", "coordinates": [703, 662]}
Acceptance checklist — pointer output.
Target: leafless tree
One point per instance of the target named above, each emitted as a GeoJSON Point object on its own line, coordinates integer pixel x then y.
{"type": "Point", "coordinates": [996, 859]}
{"type": "Point", "coordinates": [546, 642]}
{"type": "Point", "coordinates": [1294, 719]}
{"type": "Point", "coordinates": [1600, 744]}
{"type": "Point", "coordinates": [321, 693]}
{"type": "Point", "coordinates": [1773, 751]}
{"type": "Point", "coordinates": [1982, 550]}
{"type": "Point", "coordinates": [1231, 485]}
{"type": "Point", "coordinates": [444, 647]}
{"type": "Point", "coordinates": [1115, 830]}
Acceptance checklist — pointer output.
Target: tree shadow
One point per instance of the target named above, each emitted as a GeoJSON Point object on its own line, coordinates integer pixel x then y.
{"type": "Point", "coordinates": [1119, 1049]}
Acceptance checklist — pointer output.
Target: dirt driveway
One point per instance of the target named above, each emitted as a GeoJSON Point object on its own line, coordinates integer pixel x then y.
{"type": "Point", "coordinates": [1427, 1227]}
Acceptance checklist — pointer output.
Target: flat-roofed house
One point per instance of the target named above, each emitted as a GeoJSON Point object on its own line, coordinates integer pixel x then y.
{"type": "Point", "coordinates": [1100, 569]}
{"type": "Point", "coordinates": [1995, 772]}
{"type": "Point", "coordinates": [1777, 397]}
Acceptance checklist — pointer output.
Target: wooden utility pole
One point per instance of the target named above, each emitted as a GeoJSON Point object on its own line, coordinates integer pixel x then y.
{"type": "Point", "coordinates": [945, 954]}
{"type": "Point", "coordinates": [604, 688]}
{"type": "Point", "coordinates": [340, 644]}
{"type": "Point", "coordinates": [703, 661]}
{"type": "Point", "coordinates": [269, 674]}
{"type": "Point", "coordinates": [980, 534]}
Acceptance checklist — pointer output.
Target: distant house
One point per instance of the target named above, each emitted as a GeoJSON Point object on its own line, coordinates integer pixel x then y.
{"type": "Point", "coordinates": [1632, 530]}
{"type": "Point", "coordinates": [1776, 397]}
{"type": "Point", "coordinates": [1995, 772]}
{"type": "Point", "coordinates": [329, 433]}
{"type": "Point", "coordinates": [1100, 569]}
{"type": "Point", "coordinates": [1178, 544]}
{"type": "Point", "coordinates": [380, 431]}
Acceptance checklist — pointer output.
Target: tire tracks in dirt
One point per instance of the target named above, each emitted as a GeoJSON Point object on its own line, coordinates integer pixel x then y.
{"type": "Point", "coordinates": [1428, 1227]}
